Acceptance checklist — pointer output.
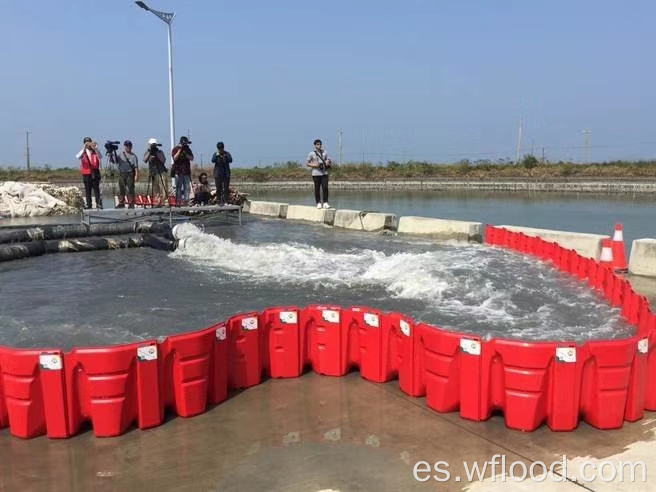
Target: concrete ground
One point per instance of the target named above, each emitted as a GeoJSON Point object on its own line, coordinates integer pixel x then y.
{"type": "Point", "coordinates": [318, 433]}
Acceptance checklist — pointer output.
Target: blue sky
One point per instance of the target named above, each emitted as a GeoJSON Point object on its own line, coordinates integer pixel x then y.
{"type": "Point", "coordinates": [424, 80]}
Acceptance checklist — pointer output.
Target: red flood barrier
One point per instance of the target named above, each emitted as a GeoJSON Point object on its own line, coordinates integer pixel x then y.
{"type": "Point", "coordinates": [34, 393]}
{"type": "Point", "coordinates": [400, 353]}
{"type": "Point", "coordinates": [363, 332]}
{"type": "Point", "coordinates": [281, 342]}
{"type": "Point", "coordinates": [187, 366]}
{"type": "Point", "coordinates": [113, 388]}
{"type": "Point", "coordinates": [531, 383]}
{"type": "Point", "coordinates": [321, 339]}
{"type": "Point", "coordinates": [244, 360]}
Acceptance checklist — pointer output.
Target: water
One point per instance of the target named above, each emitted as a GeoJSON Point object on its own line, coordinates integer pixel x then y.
{"type": "Point", "coordinates": [105, 297]}
{"type": "Point", "coordinates": [577, 212]}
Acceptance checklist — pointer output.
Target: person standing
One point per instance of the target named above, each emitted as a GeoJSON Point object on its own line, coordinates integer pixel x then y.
{"type": "Point", "coordinates": [128, 173]}
{"type": "Point", "coordinates": [156, 161]}
{"type": "Point", "coordinates": [90, 157]}
{"type": "Point", "coordinates": [222, 159]}
{"type": "Point", "coordinates": [319, 162]}
{"type": "Point", "coordinates": [181, 170]}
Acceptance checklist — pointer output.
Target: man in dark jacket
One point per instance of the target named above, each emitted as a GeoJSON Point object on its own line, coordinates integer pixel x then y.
{"type": "Point", "coordinates": [181, 170]}
{"type": "Point", "coordinates": [156, 161]}
{"type": "Point", "coordinates": [222, 159]}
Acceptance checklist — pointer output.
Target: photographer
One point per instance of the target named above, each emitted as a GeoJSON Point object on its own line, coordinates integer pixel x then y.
{"type": "Point", "coordinates": [90, 157]}
{"type": "Point", "coordinates": [319, 161]}
{"type": "Point", "coordinates": [128, 169]}
{"type": "Point", "coordinates": [181, 170]}
{"type": "Point", "coordinates": [222, 159]}
{"type": "Point", "coordinates": [156, 161]}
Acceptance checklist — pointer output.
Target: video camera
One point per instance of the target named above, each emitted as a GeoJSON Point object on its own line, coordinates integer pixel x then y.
{"type": "Point", "coordinates": [111, 146]}
{"type": "Point", "coordinates": [153, 147]}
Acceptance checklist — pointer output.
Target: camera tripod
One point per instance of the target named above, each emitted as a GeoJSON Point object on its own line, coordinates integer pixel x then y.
{"type": "Point", "coordinates": [157, 179]}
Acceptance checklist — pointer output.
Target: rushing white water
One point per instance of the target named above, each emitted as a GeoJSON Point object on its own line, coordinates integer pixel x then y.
{"type": "Point", "coordinates": [472, 288]}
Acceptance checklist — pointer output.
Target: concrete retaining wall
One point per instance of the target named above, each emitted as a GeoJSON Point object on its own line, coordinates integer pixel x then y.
{"type": "Point", "coordinates": [365, 221]}
{"type": "Point", "coordinates": [566, 186]}
{"type": "Point", "coordinates": [588, 245]}
{"type": "Point", "coordinates": [268, 209]}
{"type": "Point", "coordinates": [643, 257]}
{"type": "Point", "coordinates": [441, 228]}
{"type": "Point", "coordinates": [311, 214]}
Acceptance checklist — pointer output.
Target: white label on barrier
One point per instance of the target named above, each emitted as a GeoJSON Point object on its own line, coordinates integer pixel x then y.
{"type": "Point", "coordinates": [148, 352]}
{"type": "Point", "coordinates": [643, 346]}
{"type": "Point", "coordinates": [330, 315]}
{"type": "Point", "coordinates": [288, 317]}
{"type": "Point", "coordinates": [221, 333]}
{"type": "Point", "coordinates": [566, 354]}
{"type": "Point", "coordinates": [249, 323]}
{"type": "Point", "coordinates": [50, 362]}
{"type": "Point", "coordinates": [471, 347]}
{"type": "Point", "coordinates": [371, 319]}
{"type": "Point", "coordinates": [405, 327]}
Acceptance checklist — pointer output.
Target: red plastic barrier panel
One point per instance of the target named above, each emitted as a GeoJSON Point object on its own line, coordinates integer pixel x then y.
{"type": "Point", "coordinates": [605, 381]}
{"type": "Point", "coordinates": [186, 365]}
{"type": "Point", "coordinates": [400, 344]}
{"type": "Point", "coordinates": [513, 240]}
{"type": "Point", "coordinates": [519, 376]}
{"type": "Point", "coordinates": [644, 317]}
{"type": "Point", "coordinates": [4, 418]}
{"type": "Point", "coordinates": [565, 391]}
{"type": "Point", "coordinates": [618, 293]}
{"type": "Point", "coordinates": [113, 387]}
{"type": "Point", "coordinates": [281, 342]}
{"type": "Point", "coordinates": [452, 366]}
{"type": "Point", "coordinates": [363, 334]}
{"type": "Point", "coordinates": [219, 363]}
{"type": "Point", "coordinates": [321, 339]}
{"type": "Point", "coordinates": [489, 234]}
{"type": "Point", "coordinates": [635, 405]}
{"type": "Point", "coordinates": [650, 397]}
{"type": "Point", "coordinates": [34, 392]}
{"type": "Point", "coordinates": [631, 304]}
{"type": "Point", "coordinates": [581, 271]}
{"type": "Point", "coordinates": [244, 361]}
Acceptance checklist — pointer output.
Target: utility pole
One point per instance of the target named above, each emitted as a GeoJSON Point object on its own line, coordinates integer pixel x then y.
{"type": "Point", "coordinates": [542, 155]}
{"type": "Point", "coordinates": [519, 139]}
{"type": "Point", "coordinates": [586, 144]}
{"type": "Point", "coordinates": [27, 149]}
{"type": "Point", "coordinates": [341, 133]}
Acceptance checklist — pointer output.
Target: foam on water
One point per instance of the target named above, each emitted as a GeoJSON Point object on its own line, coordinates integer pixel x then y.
{"type": "Point", "coordinates": [472, 288]}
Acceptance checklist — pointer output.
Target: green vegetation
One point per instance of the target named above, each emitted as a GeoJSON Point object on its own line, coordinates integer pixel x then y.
{"type": "Point", "coordinates": [528, 168]}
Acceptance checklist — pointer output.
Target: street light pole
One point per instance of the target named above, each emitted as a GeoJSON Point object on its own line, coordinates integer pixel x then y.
{"type": "Point", "coordinates": [168, 18]}
{"type": "Point", "coordinates": [27, 149]}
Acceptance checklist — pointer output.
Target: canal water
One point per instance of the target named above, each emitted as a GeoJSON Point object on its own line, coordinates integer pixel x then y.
{"type": "Point", "coordinates": [106, 297]}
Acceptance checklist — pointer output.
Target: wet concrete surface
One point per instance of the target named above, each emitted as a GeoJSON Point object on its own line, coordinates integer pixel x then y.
{"type": "Point", "coordinates": [310, 434]}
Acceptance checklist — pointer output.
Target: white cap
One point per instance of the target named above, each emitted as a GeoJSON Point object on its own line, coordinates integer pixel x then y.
{"type": "Point", "coordinates": [152, 141]}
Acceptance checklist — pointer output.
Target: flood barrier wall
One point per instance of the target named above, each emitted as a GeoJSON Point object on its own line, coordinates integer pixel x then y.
{"type": "Point", "coordinates": [605, 383]}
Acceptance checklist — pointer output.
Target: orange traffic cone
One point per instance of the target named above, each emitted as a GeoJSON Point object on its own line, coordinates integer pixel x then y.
{"type": "Point", "coordinates": [619, 258]}
{"type": "Point", "coordinates": [606, 259]}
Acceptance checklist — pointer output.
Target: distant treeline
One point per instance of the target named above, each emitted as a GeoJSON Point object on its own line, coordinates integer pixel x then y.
{"type": "Point", "coordinates": [529, 167]}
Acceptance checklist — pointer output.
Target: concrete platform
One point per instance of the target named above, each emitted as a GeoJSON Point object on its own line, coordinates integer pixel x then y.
{"type": "Point", "coordinates": [268, 209]}
{"type": "Point", "coordinates": [311, 214]}
{"type": "Point", "coordinates": [312, 434]}
{"type": "Point", "coordinates": [643, 257]}
{"type": "Point", "coordinates": [588, 245]}
{"type": "Point", "coordinates": [365, 221]}
{"type": "Point", "coordinates": [441, 228]}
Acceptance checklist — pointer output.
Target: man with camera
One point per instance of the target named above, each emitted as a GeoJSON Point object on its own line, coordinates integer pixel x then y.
{"type": "Point", "coordinates": [181, 170]}
{"type": "Point", "coordinates": [128, 173]}
{"type": "Point", "coordinates": [222, 160]}
{"type": "Point", "coordinates": [319, 161]}
{"type": "Point", "coordinates": [90, 158]}
{"type": "Point", "coordinates": [156, 161]}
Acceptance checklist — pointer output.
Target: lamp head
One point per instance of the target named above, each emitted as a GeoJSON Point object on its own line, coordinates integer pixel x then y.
{"type": "Point", "coordinates": [142, 5]}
